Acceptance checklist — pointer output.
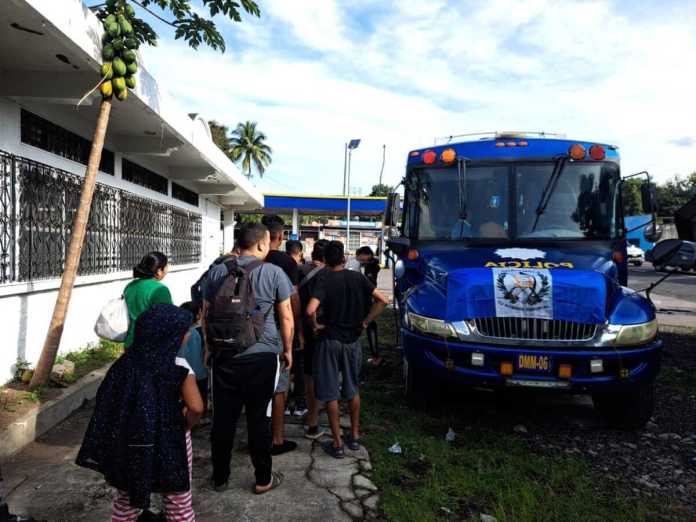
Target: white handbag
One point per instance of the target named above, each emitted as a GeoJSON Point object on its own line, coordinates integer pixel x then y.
{"type": "Point", "coordinates": [113, 321]}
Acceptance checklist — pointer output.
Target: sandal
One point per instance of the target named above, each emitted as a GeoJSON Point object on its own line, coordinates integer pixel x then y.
{"type": "Point", "coordinates": [333, 451]}
{"type": "Point", "coordinates": [276, 480]}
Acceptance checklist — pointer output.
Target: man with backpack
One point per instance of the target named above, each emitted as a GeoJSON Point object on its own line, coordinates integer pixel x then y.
{"type": "Point", "coordinates": [242, 297]}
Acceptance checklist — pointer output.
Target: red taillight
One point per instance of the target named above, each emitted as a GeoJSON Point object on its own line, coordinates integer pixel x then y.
{"type": "Point", "coordinates": [597, 152]}
{"type": "Point", "coordinates": [429, 157]}
{"type": "Point", "coordinates": [577, 152]}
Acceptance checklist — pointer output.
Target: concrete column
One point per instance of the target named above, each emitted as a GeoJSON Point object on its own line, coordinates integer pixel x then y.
{"type": "Point", "coordinates": [228, 231]}
{"type": "Point", "coordinates": [295, 223]}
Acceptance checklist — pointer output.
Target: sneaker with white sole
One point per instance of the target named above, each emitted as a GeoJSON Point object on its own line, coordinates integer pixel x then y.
{"type": "Point", "coordinates": [314, 433]}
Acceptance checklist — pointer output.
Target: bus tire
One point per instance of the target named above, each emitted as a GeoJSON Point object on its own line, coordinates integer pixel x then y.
{"type": "Point", "coordinates": [628, 410]}
{"type": "Point", "coordinates": [420, 394]}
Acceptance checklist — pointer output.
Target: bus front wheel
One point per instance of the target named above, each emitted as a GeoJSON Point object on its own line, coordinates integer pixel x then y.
{"type": "Point", "coordinates": [627, 410]}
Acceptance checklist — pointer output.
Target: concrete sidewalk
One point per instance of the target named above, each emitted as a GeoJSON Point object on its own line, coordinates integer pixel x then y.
{"type": "Point", "coordinates": [43, 481]}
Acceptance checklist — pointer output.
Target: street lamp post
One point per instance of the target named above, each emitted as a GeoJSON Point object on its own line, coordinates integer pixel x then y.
{"type": "Point", "coordinates": [353, 144]}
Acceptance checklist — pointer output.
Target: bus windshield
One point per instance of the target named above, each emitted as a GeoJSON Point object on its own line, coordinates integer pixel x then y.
{"type": "Point", "coordinates": [503, 202]}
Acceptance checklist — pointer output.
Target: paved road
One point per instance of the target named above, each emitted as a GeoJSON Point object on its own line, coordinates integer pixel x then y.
{"type": "Point", "coordinates": [678, 286]}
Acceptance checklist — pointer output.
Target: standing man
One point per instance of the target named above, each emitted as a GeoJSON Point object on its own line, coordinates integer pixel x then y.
{"type": "Point", "coordinates": [310, 275]}
{"type": "Point", "coordinates": [349, 302]}
{"type": "Point", "coordinates": [247, 376]}
{"type": "Point", "coordinates": [294, 249]}
{"type": "Point", "coordinates": [282, 260]}
{"type": "Point", "coordinates": [370, 267]}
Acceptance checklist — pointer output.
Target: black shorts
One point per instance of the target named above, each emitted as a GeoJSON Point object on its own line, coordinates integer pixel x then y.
{"type": "Point", "coordinates": [308, 356]}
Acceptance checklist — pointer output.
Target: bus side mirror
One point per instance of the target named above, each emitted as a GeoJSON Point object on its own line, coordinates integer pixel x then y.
{"type": "Point", "coordinates": [648, 196]}
{"type": "Point", "coordinates": [674, 253]}
{"type": "Point", "coordinates": [393, 210]}
{"type": "Point", "coordinates": [652, 232]}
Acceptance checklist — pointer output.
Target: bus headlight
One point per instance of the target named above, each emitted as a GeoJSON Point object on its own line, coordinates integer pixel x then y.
{"type": "Point", "coordinates": [430, 326]}
{"type": "Point", "coordinates": [632, 334]}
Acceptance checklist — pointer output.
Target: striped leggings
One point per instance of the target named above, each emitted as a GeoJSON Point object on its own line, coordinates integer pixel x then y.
{"type": "Point", "coordinates": [177, 506]}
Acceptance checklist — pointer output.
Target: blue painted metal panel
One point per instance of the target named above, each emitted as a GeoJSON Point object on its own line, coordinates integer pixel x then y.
{"type": "Point", "coordinates": [638, 235]}
{"type": "Point", "coordinates": [325, 204]}
{"type": "Point", "coordinates": [486, 149]}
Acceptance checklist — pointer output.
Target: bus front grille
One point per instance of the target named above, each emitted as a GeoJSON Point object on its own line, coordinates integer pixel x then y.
{"type": "Point", "coordinates": [534, 329]}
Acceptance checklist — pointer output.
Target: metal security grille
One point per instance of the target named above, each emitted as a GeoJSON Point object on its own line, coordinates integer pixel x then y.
{"type": "Point", "coordinates": [534, 329]}
{"type": "Point", "coordinates": [37, 207]}
{"type": "Point", "coordinates": [48, 136]}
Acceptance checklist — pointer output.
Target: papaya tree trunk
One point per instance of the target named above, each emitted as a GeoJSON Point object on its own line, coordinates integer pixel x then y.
{"type": "Point", "coordinates": [72, 259]}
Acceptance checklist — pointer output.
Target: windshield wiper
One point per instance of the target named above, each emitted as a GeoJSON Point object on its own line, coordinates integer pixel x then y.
{"type": "Point", "coordinates": [461, 187]}
{"type": "Point", "coordinates": [549, 188]}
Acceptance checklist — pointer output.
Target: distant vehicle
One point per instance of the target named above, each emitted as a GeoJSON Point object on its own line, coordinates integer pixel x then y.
{"type": "Point", "coordinates": [512, 272]}
{"type": "Point", "coordinates": [635, 254]}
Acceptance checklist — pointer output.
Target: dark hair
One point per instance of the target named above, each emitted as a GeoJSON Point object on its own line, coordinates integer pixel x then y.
{"type": "Point", "coordinates": [250, 234]}
{"type": "Point", "coordinates": [275, 226]}
{"type": "Point", "coordinates": [293, 246]}
{"type": "Point", "coordinates": [150, 265]}
{"type": "Point", "coordinates": [364, 251]}
{"type": "Point", "coordinates": [194, 308]}
{"type": "Point", "coordinates": [334, 253]}
{"type": "Point", "coordinates": [319, 249]}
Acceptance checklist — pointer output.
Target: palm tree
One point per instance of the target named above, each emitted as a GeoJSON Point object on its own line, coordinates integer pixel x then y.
{"type": "Point", "coordinates": [248, 146]}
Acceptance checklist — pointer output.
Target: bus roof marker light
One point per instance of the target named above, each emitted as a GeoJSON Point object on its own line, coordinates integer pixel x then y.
{"type": "Point", "coordinates": [429, 157]}
{"type": "Point", "coordinates": [414, 154]}
{"type": "Point", "coordinates": [511, 144]}
{"type": "Point", "coordinates": [576, 152]}
{"type": "Point", "coordinates": [597, 152]}
{"type": "Point", "coordinates": [499, 144]}
{"type": "Point", "coordinates": [448, 155]}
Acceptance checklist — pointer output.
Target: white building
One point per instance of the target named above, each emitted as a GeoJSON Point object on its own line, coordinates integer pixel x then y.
{"type": "Point", "coordinates": [163, 183]}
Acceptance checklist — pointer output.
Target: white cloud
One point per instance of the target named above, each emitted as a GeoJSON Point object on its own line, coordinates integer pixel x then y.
{"type": "Point", "coordinates": [317, 73]}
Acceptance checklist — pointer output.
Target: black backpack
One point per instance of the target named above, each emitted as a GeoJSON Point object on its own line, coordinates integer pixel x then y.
{"type": "Point", "coordinates": [233, 321]}
{"type": "Point", "coordinates": [197, 287]}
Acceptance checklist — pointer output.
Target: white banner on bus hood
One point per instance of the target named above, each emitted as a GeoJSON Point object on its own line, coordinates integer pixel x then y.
{"type": "Point", "coordinates": [523, 293]}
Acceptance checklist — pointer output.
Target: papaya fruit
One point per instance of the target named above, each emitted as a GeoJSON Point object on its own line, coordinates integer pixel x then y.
{"type": "Point", "coordinates": [118, 45]}
{"type": "Point", "coordinates": [107, 70]}
{"type": "Point", "coordinates": [130, 12]}
{"type": "Point", "coordinates": [119, 67]}
{"type": "Point", "coordinates": [27, 375]}
{"type": "Point", "coordinates": [108, 52]}
{"type": "Point", "coordinates": [107, 89]}
{"type": "Point", "coordinates": [122, 95]}
{"type": "Point", "coordinates": [132, 68]}
{"type": "Point", "coordinates": [119, 84]}
{"type": "Point", "coordinates": [128, 56]}
{"type": "Point", "coordinates": [126, 27]}
{"type": "Point", "coordinates": [109, 20]}
{"type": "Point", "coordinates": [114, 30]}
{"type": "Point", "coordinates": [131, 43]}
{"type": "Point", "coordinates": [130, 82]}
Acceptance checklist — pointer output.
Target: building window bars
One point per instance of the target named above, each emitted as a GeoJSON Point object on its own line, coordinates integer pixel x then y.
{"type": "Point", "coordinates": [37, 207]}
{"type": "Point", "coordinates": [48, 136]}
{"type": "Point", "coordinates": [144, 177]}
{"type": "Point", "coordinates": [184, 194]}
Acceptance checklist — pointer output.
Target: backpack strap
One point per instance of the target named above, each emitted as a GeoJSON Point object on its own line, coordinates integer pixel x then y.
{"type": "Point", "coordinates": [309, 276]}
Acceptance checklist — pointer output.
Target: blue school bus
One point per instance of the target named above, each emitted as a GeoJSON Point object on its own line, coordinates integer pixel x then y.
{"type": "Point", "coordinates": [510, 272]}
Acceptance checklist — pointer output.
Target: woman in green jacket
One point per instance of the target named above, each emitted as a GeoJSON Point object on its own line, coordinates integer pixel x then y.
{"type": "Point", "coordinates": [146, 289]}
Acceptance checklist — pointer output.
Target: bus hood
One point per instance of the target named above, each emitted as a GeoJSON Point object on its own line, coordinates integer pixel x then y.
{"type": "Point", "coordinates": [573, 284]}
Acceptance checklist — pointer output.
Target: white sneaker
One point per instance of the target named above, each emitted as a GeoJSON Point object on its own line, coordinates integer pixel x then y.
{"type": "Point", "coordinates": [288, 413]}
{"type": "Point", "coordinates": [301, 412]}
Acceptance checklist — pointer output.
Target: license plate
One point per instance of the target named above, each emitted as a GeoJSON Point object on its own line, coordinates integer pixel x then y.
{"type": "Point", "coordinates": [535, 363]}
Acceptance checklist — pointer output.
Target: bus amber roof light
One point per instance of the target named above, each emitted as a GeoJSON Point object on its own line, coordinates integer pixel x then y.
{"type": "Point", "coordinates": [511, 144]}
{"type": "Point", "coordinates": [597, 152]}
{"type": "Point", "coordinates": [448, 156]}
{"type": "Point", "coordinates": [577, 152]}
{"type": "Point", "coordinates": [499, 144]}
{"type": "Point", "coordinates": [429, 157]}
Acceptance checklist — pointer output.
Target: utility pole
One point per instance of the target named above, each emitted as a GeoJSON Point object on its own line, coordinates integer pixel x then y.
{"type": "Point", "coordinates": [384, 157]}
{"type": "Point", "coordinates": [352, 145]}
{"type": "Point", "coordinates": [345, 163]}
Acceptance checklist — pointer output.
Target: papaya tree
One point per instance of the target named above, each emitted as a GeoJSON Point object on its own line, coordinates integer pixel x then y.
{"type": "Point", "coordinates": [124, 32]}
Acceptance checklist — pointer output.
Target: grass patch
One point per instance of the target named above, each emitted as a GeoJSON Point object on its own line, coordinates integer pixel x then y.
{"type": "Point", "coordinates": [92, 357]}
{"type": "Point", "coordinates": [483, 471]}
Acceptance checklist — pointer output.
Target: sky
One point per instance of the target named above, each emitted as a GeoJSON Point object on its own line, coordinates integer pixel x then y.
{"type": "Point", "coordinates": [402, 73]}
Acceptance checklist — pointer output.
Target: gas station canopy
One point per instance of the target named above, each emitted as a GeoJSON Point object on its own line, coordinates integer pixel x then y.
{"type": "Point", "coordinates": [322, 205]}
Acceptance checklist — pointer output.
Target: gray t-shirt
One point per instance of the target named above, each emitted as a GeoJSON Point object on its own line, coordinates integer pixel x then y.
{"type": "Point", "coordinates": [271, 286]}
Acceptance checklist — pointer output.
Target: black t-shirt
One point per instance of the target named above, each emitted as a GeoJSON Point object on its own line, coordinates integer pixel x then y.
{"type": "Point", "coordinates": [286, 262]}
{"type": "Point", "coordinates": [371, 269]}
{"type": "Point", "coordinates": [305, 290]}
{"type": "Point", "coordinates": [345, 297]}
